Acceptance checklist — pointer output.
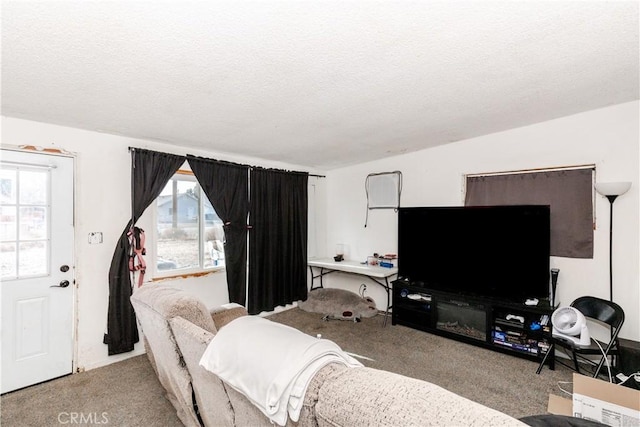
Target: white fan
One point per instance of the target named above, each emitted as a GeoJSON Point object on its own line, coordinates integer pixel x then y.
{"type": "Point", "coordinates": [569, 324]}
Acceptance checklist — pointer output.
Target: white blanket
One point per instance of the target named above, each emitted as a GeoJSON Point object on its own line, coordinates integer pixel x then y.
{"type": "Point", "coordinates": [270, 363]}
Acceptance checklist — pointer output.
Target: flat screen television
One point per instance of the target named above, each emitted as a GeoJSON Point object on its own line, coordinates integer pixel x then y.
{"type": "Point", "coordinates": [494, 251]}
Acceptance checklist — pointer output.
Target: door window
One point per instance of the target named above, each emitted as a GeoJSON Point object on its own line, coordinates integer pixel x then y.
{"type": "Point", "coordinates": [24, 222]}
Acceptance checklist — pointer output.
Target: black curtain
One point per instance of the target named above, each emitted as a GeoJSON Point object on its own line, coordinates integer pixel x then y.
{"type": "Point", "coordinates": [227, 187]}
{"type": "Point", "coordinates": [149, 174]}
{"type": "Point", "coordinates": [277, 239]}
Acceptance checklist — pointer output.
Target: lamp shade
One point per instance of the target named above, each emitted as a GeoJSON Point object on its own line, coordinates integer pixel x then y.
{"type": "Point", "coordinates": [612, 188]}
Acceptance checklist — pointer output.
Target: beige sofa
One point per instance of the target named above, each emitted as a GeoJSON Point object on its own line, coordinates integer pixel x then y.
{"type": "Point", "coordinates": [178, 327]}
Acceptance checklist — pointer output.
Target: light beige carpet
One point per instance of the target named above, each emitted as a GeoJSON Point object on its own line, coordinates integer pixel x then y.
{"type": "Point", "coordinates": [500, 381]}
{"type": "Point", "coordinates": [128, 393]}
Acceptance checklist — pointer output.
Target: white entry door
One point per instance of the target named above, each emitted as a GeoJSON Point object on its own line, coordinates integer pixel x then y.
{"type": "Point", "coordinates": [37, 272]}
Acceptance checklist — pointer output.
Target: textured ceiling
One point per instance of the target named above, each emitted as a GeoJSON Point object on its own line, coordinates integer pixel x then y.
{"type": "Point", "coordinates": [321, 84]}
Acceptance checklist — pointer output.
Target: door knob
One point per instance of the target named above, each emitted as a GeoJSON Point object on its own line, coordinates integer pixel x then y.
{"type": "Point", "coordinates": [63, 284]}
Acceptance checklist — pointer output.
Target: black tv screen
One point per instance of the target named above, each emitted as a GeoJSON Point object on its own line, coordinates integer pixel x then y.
{"type": "Point", "coordinates": [495, 251]}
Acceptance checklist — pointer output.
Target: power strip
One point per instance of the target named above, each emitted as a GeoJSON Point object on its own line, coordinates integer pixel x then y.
{"type": "Point", "coordinates": [623, 378]}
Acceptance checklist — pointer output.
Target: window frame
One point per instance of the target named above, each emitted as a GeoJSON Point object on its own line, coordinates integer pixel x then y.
{"type": "Point", "coordinates": [18, 206]}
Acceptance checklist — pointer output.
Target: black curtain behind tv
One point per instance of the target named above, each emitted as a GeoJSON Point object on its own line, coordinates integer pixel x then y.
{"type": "Point", "coordinates": [277, 239]}
{"type": "Point", "coordinates": [227, 187]}
{"type": "Point", "coordinates": [149, 174]}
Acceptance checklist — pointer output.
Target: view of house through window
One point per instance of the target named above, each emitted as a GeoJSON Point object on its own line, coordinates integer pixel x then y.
{"type": "Point", "coordinates": [189, 233]}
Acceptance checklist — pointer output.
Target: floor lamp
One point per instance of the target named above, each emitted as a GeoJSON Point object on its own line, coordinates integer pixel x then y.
{"type": "Point", "coordinates": [611, 190]}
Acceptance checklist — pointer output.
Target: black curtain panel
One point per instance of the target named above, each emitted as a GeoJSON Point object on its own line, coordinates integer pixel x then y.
{"type": "Point", "coordinates": [149, 174]}
{"type": "Point", "coordinates": [227, 187]}
{"type": "Point", "coordinates": [569, 193]}
{"type": "Point", "coordinates": [277, 239]}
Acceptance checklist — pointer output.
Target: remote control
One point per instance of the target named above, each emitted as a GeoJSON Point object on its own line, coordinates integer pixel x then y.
{"type": "Point", "coordinates": [514, 317]}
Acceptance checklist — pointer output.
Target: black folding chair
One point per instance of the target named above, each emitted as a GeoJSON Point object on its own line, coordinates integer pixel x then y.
{"type": "Point", "coordinates": [599, 310]}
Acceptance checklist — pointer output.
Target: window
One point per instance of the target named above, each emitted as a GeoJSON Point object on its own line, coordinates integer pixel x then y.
{"type": "Point", "coordinates": [568, 191]}
{"type": "Point", "coordinates": [25, 222]}
{"type": "Point", "coordinates": [189, 236]}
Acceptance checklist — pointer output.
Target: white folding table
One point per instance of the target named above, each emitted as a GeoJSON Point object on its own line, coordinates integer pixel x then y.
{"type": "Point", "coordinates": [379, 275]}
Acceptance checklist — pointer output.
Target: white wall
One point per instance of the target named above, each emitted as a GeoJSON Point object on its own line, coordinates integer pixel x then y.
{"type": "Point", "coordinates": [606, 137]}
{"type": "Point", "coordinates": [102, 203]}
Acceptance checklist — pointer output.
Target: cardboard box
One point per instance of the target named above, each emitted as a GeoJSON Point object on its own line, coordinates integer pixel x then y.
{"type": "Point", "coordinates": [559, 405]}
{"type": "Point", "coordinates": [598, 400]}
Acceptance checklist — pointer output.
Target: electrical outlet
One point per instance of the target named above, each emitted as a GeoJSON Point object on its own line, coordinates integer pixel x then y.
{"type": "Point", "coordinates": [95, 237]}
{"type": "Point", "coordinates": [362, 290]}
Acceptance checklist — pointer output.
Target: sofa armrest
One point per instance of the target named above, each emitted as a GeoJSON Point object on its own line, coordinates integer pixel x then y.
{"type": "Point", "coordinates": [366, 396]}
{"type": "Point", "coordinates": [222, 316]}
{"type": "Point", "coordinates": [210, 393]}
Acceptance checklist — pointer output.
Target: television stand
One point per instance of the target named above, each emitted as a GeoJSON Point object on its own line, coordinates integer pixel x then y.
{"type": "Point", "coordinates": [505, 326]}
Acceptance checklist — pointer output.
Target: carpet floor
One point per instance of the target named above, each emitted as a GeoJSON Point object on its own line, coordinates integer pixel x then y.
{"type": "Point", "coordinates": [128, 393]}
{"type": "Point", "coordinates": [500, 381]}
{"type": "Point", "coordinates": [125, 393]}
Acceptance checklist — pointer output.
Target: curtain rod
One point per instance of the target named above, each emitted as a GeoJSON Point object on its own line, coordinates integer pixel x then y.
{"type": "Point", "coordinates": [250, 166]}
{"type": "Point", "coordinates": [548, 169]}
